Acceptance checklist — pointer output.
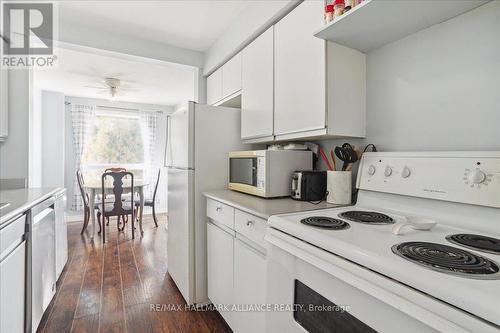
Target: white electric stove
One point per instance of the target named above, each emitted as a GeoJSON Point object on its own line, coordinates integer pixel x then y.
{"type": "Point", "coordinates": [367, 267]}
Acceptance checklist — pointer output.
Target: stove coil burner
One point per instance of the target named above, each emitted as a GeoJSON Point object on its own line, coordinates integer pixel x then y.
{"type": "Point", "coordinates": [367, 217]}
{"type": "Point", "coordinates": [476, 242]}
{"type": "Point", "coordinates": [325, 222]}
{"type": "Point", "coordinates": [448, 259]}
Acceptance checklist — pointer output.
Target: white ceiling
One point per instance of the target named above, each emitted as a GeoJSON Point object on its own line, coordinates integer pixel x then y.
{"type": "Point", "coordinates": [189, 24]}
{"type": "Point", "coordinates": [151, 82]}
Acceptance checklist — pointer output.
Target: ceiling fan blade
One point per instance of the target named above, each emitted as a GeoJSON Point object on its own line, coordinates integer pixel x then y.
{"type": "Point", "coordinates": [103, 74]}
{"type": "Point", "coordinates": [97, 87]}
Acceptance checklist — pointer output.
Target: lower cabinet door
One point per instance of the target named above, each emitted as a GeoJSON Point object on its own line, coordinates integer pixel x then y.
{"type": "Point", "coordinates": [220, 269]}
{"type": "Point", "coordinates": [249, 289]}
{"type": "Point", "coordinates": [12, 290]}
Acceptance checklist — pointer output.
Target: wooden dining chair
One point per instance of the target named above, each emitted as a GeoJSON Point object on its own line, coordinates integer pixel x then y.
{"type": "Point", "coordinates": [115, 169]}
{"type": "Point", "coordinates": [86, 202]}
{"type": "Point", "coordinates": [151, 202]}
{"type": "Point", "coordinates": [119, 207]}
{"type": "Point", "coordinates": [125, 218]}
{"type": "Point", "coordinates": [85, 198]}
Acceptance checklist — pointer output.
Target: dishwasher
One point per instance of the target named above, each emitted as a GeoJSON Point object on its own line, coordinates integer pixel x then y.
{"type": "Point", "coordinates": [43, 259]}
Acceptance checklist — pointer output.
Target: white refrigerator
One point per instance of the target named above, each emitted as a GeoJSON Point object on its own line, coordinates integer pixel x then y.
{"type": "Point", "coordinates": [199, 139]}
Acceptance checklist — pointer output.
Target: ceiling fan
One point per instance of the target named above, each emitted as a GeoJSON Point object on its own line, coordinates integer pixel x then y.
{"type": "Point", "coordinates": [112, 86]}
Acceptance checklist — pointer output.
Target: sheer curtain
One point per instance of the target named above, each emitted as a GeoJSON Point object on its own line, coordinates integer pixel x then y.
{"type": "Point", "coordinates": [82, 117]}
{"type": "Point", "coordinates": [149, 122]}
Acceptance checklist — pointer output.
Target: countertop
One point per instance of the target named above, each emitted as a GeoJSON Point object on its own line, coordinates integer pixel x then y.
{"type": "Point", "coordinates": [261, 207]}
{"type": "Point", "coordinates": [22, 200]}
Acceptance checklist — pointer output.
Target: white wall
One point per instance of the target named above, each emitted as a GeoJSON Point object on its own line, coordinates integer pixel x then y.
{"type": "Point", "coordinates": [35, 138]}
{"type": "Point", "coordinates": [249, 25]}
{"type": "Point", "coordinates": [74, 33]}
{"type": "Point", "coordinates": [47, 139]}
{"type": "Point", "coordinates": [438, 89]}
{"type": "Point", "coordinates": [14, 151]}
{"type": "Point", "coordinates": [162, 204]}
{"type": "Point", "coordinates": [53, 139]}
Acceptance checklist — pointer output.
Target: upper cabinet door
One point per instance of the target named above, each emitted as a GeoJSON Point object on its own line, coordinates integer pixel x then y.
{"type": "Point", "coordinates": [257, 93]}
{"type": "Point", "coordinates": [231, 76]}
{"type": "Point", "coordinates": [300, 71]}
{"type": "Point", "coordinates": [214, 87]}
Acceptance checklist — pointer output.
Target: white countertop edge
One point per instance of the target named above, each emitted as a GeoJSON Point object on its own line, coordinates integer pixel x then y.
{"type": "Point", "coordinates": [236, 205]}
{"type": "Point", "coordinates": [20, 209]}
{"type": "Point", "coordinates": [215, 195]}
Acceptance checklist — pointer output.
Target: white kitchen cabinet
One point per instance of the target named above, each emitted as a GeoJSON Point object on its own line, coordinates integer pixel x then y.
{"type": "Point", "coordinates": [220, 268]}
{"type": "Point", "coordinates": [231, 76]}
{"type": "Point", "coordinates": [300, 70]}
{"type": "Point", "coordinates": [224, 85]}
{"type": "Point", "coordinates": [249, 287]}
{"type": "Point", "coordinates": [13, 276]}
{"type": "Point", "coordinates": [12, 287]}
{"type": "Point", "coordinates": [221, 213]}
{"type": "Point", "coordinates": [319, 86]}
{"type": "Point", "coordinates": [4, 103]}
{"type": "Point", "coordinates": [236, 262]}
{"type": "Point", "coordinates": [257, 88]}
{"type": "Point", "coordinates": [214, 87]}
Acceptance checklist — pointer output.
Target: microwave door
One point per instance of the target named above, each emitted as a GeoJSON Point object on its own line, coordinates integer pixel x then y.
{"type": "Point", "coordinates": [243, 170]}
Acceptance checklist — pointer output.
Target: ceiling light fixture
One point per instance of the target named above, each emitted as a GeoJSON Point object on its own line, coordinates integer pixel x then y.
{"type": "Point", "coordinates": [113, 85]}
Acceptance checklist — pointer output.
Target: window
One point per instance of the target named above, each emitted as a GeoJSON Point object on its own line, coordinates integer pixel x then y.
{"type": "Point", "coordinates": [115, 140]}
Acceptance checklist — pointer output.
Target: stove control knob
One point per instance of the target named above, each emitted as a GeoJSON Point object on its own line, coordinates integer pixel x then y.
{"type": "Point", "coordinates": [371, 170]}
{"type": "Point", "coordinates": [388, 171]}
{"type": "Point", "coordinates": [476, 176]}
{"type": "Point", "coordinates": [405, 173]}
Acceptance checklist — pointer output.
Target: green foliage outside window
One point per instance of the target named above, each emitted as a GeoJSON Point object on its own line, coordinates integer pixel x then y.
{"type": "Point", "coordinates": [115, 140]}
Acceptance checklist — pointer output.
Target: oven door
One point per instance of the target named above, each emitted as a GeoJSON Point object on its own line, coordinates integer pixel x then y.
{"type": "Point", "coordinates": [309, 294]}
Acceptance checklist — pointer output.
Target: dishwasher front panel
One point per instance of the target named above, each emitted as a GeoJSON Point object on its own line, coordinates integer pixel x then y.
{"type": "Point", "coordinates": [43, 258]}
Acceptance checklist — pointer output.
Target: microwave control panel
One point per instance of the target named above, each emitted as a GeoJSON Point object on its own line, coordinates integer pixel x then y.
{"type": "Point", "coordinates": [261, 173]}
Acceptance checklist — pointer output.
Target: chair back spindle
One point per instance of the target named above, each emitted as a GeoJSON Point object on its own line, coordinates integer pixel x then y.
{"type": "Point", "coordinates": [85, 197]}
{"type": "Point", "coordinates": [118, 178]}
{"type": "Point", "coordinates": [156, 185]}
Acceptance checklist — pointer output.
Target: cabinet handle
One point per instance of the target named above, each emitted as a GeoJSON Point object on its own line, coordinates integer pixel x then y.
{"type": "Point", "coordinates": [218, 209]}
{"type": "Point", "coordinates": [249, 223]}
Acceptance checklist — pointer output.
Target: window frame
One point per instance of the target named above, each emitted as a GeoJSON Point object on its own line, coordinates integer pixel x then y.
{"type": "Point", "coordinates": [89, 167]}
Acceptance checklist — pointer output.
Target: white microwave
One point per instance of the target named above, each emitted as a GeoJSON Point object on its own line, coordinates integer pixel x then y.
{"type": "Point", "coordinates": [266, 173]}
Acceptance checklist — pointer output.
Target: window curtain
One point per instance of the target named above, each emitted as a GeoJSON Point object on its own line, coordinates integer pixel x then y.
{"type": "Point", "coordinates": [149, 120]}
{"type": "Point", "coordinates": [82, 117]}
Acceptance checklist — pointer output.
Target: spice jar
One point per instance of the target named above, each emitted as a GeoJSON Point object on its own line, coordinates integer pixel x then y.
{"type": "Point", "coordinates": [328, 14]}
{"type": "Point", "coordinates": [338, 8]}
{"type": "Point", "coordinates": [348, 5]}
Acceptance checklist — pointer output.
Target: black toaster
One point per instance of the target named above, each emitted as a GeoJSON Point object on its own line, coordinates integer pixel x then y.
{"type": "Point", "coordinates": [309, 185]}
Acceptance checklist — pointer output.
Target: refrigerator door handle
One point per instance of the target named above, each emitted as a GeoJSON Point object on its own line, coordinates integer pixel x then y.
{"type": "Point", "coordinates": [168, 145]}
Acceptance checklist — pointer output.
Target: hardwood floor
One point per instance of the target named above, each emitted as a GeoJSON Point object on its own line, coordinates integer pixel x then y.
{"type": "Point", "coordinates": [113, 288]}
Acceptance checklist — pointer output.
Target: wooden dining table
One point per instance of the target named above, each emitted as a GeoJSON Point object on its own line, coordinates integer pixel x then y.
{"type": "Point", "coordinates": [94, 187]}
